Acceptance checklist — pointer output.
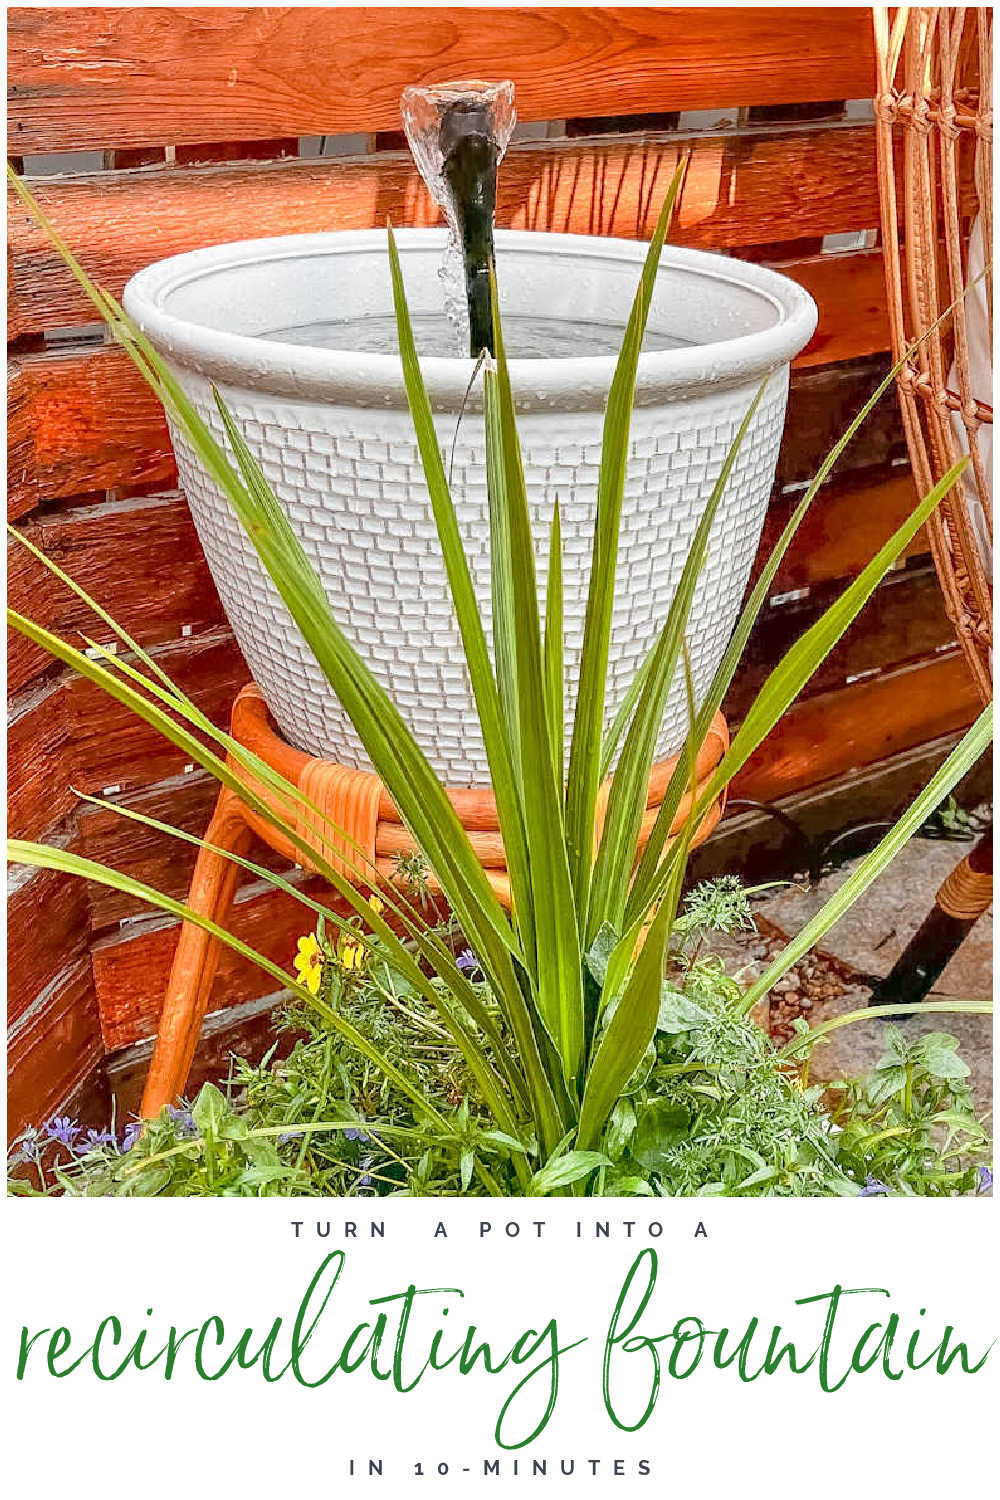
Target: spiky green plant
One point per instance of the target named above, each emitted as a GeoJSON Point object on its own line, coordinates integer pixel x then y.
{"type": "Point", "coordinates": [575, 971]}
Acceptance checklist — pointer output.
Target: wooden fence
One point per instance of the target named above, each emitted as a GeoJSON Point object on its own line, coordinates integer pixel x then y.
{"type": "Point", "coordinates": [201, 118]}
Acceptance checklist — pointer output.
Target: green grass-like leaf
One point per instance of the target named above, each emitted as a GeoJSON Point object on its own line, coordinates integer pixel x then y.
{"type": "Point", "coordinates": [588, 719]}
{"type": "Point", "coordinates": [627, 798]}
{"type": "Point", "coordinates": [972, 745]}
{"type": "Point", "coordinates": [558, 976]}
{"type": "Point", "coordinates": [553, 647]}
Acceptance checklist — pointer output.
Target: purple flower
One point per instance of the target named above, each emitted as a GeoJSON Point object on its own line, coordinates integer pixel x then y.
{"type": "Point", "coordinates": [985, 1183]}
{"type": "Point", "coordinates": [354, 1135]}
{"type": "Point", "coordinates": [873, 1188]}
{"type": "Point", "coordinates": [289, 1135]}
{"type": "Point", "coordinates": [468, 962]}
{"type": "Point", "coordinates": [31, 1149]}
{"type": "Point", "coordinates": [183, 1119]}
{"type": "Point", "coordinates": [131, 1133]}
{"type": "Point", "coordinates": [95, 1138]}
{"type": "Point", "coordinates": [364, 1180]}
{"type": "Point", "coordinates": [62, 1129]}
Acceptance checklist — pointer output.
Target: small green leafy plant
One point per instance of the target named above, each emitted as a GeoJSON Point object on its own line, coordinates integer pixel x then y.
{"type": "Point", "coordinates": [912, 1122]}
{"type": "Point", "coordinates": [712, 1109]}
{"type": "Point", "coordinates": [566, 1008]}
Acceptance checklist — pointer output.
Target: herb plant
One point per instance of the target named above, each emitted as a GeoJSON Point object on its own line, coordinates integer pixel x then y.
{"type": "Point", "coordinates": [712, 1110]}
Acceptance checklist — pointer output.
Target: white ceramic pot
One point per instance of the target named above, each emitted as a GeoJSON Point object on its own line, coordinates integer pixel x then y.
{"type": "Point", "coordinates": [331, 428]}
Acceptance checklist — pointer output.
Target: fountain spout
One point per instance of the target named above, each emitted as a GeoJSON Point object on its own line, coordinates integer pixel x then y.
{"type": "Point", "coordinates": [458, 133]}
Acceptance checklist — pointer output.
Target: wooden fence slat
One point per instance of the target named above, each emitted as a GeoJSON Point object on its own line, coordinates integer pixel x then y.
{"type": "Point", "coordinates": [850, 727]}
{"type": "Point", "coordinates": [22, 490]}
{"type": "Point", "coordinates": [904, 621]}
{"type": "Point", "coordinates": [71, 734]}
{"type": "Point", "coordinates": [39, 773]}
{"type": "Point", "coordinates": [822, 403]}
{"type": "Point", "coordinates": [95, 425]}
{"type": "Point", "coordinates": [86, 421]}
{"type": "Point", "coordinates": [740, 190]}
{"type": "Point", "coordinates": [131, 969]}
{"type": "Point", "coordinates": [849, 290]}
{"type": "Point", "coordinates": [139, 558]}
{"type": "Point", "coordinates": [41, 902]}
{"type": "Point", "coordinates": [846, 524]}
{"type": "Point", "coordinates": [54, 1051]}
{"type": "Point", "coordinates": [97, 77]}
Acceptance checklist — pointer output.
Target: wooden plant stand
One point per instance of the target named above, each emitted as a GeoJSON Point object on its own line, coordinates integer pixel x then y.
{"type": "Point", "coordinates": [357, 803]}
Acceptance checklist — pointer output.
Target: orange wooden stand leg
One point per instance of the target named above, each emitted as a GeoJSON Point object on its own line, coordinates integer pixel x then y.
{"type": "Point", "coordinates": [196, 958]}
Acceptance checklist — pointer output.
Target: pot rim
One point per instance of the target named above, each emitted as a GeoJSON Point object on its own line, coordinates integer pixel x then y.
{"type": "Point", "coordinates": [362, 379]}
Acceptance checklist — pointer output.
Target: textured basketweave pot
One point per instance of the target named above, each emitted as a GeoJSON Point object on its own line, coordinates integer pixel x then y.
{"type": "Point", "coordinates": [282, 327]}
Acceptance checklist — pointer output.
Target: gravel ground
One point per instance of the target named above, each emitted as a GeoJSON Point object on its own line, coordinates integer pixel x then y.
{"type": "Point", "coordinates": [867, 941]}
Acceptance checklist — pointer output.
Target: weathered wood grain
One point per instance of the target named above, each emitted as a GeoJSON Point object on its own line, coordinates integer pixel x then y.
{"type": "Point", "coordinates": [54, 1050]}
{"type": "Point", "coordinates": [84, 422]}
{"type": "Point", "coordinates": [39, 773]}
{"type": "Point", "coordinates": [47, 933]}
{"type": "Point", "coordinates": [72, 734]}
{"type": "Point", "coordinates": [21, 467]}
{"type": "Point", "coordinates": [97, 78]}
{"type": "Point", "coordinates": [740, 191]}
{"type": "Point", "coordinates": [140, 559]}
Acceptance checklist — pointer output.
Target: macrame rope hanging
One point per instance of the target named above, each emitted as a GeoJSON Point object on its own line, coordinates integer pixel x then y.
{"type": "Point", "coordinates": [934, 117]}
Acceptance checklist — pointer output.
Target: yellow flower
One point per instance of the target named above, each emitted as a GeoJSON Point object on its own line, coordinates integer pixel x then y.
{"type": "Point", "coordinates": [309, 962]}
{"type": "Point", "coordinates": [351, 956]}
{"type": "Point", "coordinates": [377, 906]}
